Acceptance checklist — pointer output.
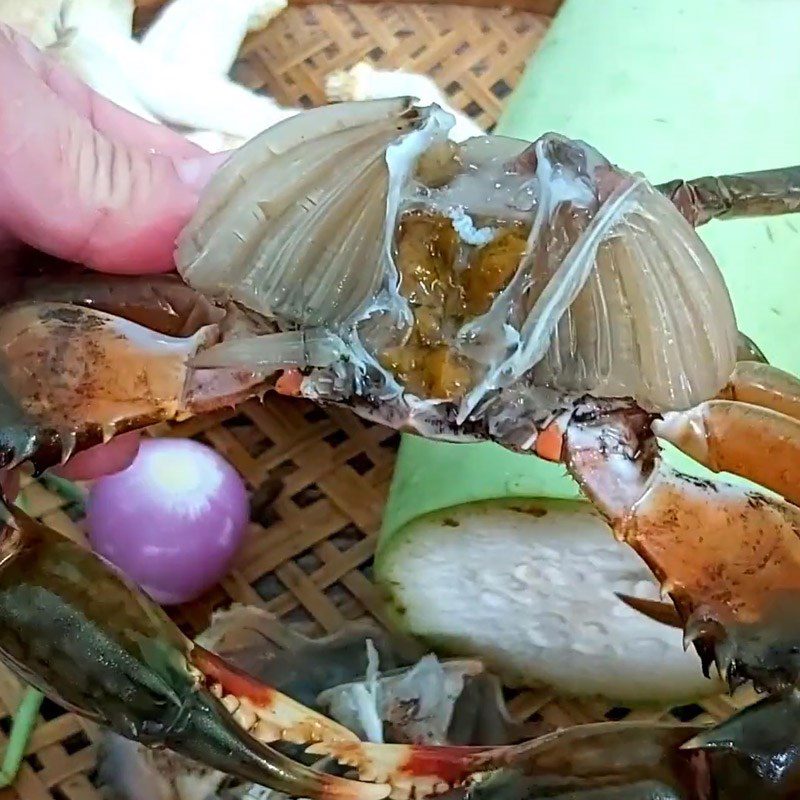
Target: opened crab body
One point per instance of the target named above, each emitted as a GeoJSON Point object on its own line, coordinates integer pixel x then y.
{"type": "Point", "coordinates": [532, 295]}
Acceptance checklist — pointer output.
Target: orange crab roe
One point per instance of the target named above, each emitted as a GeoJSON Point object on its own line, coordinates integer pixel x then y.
{"type": "Point", "coordinates": [447, 283]}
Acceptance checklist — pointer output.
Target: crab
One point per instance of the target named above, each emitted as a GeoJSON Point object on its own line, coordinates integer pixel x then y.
{"type": "Point", "coordinates": [529, 294]}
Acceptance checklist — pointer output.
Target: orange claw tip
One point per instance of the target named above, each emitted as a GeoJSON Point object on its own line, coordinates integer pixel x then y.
{"type": "Point", "coordinates": [267, 713]}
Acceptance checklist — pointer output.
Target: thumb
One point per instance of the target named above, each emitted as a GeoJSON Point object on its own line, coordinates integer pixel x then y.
{"type": "Point", "coordinates": [69, 190]}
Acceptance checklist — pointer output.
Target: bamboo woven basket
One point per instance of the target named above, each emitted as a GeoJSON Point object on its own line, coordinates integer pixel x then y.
{"type": "Point", "coordinates": [318, 478]}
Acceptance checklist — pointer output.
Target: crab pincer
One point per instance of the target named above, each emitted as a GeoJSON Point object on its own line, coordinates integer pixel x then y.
{"type": "Point", "coordinates": [74, 628]}
{"type": "Point", "coordinates": [635, 760]}
{"type": "Point", "coordinates": [727, 555]}
{"type": "Point", "coordinates": [87, 357]}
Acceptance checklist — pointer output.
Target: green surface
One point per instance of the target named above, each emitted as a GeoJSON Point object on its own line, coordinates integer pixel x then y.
{"type": "Point", "coordinates": [21, 731]}
{"type": "Point", "coordinates": [671, 88]}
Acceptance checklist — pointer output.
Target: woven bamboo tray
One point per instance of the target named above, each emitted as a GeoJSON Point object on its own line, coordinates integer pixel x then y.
{"type": "Point", "coordinates": [318, 478]}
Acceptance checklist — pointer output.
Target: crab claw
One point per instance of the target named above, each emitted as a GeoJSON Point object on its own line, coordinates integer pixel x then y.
{"type": "Point", "coordinates": [765, 737]}
{"type": "Point", "coordinates": [266, 713]}
{"type": "Point", "coordinates": [84, 360]}
{"type": "Point", "coordinates": [74, 628]}
{"type": "Point", "coordinates": [411, 770]}
{"type": "Point", "coordinates": [212, 736]}
{"type": "Point", "coordinates": [728, 556]}
{"type": "Point", "coordinates": [629, 759]}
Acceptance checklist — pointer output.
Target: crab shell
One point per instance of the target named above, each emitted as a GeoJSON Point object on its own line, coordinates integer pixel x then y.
{"type": "Point", "coordinates": [612, 294]}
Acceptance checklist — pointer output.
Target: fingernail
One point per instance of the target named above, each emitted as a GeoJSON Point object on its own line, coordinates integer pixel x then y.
{"type": "Point", "coordinates": [196, 172]}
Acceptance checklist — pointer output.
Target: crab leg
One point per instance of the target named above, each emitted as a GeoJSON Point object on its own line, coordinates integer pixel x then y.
{"type": "Point", "coordinates": [755, 434]}
{"type": "Point", "coordinates": [766, 386]}
{"type": "Point", "coordinates": [747, 194]}
{"type": "Point", "coordinates": [746, 440]}
{"type": "Point", "coordinates": [77, 631]}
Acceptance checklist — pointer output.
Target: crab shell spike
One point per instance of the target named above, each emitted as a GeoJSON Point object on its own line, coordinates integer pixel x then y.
{"type": "Point", "coordinates": [294, 225]}
{"type": "Point", "coordinates": [748, 350]}
{"type": "Point", "coordinates": [266, 713]}
{"type": "Point", "coordinates": [658, 611]}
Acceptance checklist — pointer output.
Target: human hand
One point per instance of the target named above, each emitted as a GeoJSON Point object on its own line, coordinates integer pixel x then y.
{"type": "Point", "coordinates": [85, 181]}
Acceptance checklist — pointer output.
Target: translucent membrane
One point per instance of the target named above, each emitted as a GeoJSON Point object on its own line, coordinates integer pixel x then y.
{"type": "Point", "coordinates": [653, 318]}
{"type": "Point", "coordinates": [294, 226]}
